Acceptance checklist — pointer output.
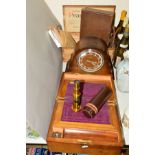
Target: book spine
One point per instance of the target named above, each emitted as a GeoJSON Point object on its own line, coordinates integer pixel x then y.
{"type": "Point", "coordinates": [41, 151]}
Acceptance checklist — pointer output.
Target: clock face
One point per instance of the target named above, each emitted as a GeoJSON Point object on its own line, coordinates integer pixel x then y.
{"type": "Point", "coordinates": [90, 60]}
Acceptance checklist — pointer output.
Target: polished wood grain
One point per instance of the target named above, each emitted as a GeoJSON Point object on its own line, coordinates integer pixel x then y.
{"type": "Point", "coordinates": [90, 138]}
{"type": "Point", "coordinates": [77, 148]}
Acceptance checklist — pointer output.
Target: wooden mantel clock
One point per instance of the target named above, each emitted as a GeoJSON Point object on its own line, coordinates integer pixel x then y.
{"type": "Point", "coordinates": [91, 58]}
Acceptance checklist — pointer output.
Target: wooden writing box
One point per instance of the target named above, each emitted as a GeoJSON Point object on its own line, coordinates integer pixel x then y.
{"type": "Point", "coordinates": [85, 137]}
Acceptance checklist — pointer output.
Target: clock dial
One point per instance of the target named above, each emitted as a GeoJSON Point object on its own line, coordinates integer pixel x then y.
{"type": "Point", "coordinates": [90, 60]}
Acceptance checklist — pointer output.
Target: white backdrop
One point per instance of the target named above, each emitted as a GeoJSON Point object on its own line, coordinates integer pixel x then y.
{"type": "Point", "coordinates": [43, 66]}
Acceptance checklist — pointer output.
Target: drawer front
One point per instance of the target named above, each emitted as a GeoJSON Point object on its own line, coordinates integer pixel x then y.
{"type": "Point", "coordinates": [83, 148]}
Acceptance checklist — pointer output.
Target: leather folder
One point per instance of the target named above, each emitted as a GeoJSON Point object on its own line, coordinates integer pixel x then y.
{"type": "Point", "coordinates": [96, 23]}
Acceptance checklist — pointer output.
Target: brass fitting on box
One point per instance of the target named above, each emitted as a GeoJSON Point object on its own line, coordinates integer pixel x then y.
{"type": "Point", "coordinates": [76, 96]}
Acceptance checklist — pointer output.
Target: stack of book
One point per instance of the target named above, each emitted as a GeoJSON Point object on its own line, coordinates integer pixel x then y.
{"type": "Point", "coordinates": [44, 151]}
{"type": "Point", "coordinates": [41, 151]}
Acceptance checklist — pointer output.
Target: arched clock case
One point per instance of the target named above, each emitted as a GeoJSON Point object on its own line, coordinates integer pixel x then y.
{"type": "Point", "coordinates": [91, 57]}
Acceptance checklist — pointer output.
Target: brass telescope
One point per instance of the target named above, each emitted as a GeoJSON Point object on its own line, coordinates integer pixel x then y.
{"type": "Point", "coordinates": [76, 96]}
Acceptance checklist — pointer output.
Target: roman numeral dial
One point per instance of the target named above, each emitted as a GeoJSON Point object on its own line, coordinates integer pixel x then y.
{"type": "Point", "coordinates": [90, 60]}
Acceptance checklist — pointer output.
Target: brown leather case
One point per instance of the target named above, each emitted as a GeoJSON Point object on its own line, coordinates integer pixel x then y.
{"type": "Point", "coordinates": [96, 23]}
{"type": "Point", "coordinates": [96, 103]}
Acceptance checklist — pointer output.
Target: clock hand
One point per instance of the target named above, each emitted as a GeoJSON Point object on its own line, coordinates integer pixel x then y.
{"type": "Point", "coordinates": [92, 62]}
